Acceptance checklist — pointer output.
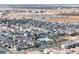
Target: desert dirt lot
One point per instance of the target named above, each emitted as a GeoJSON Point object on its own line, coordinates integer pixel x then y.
{"type": "Point", "coordinates": [69, 19]}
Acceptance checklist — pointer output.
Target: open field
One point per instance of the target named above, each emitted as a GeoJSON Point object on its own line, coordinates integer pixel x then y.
{"type": "Point", "coordinates": [72, 19]}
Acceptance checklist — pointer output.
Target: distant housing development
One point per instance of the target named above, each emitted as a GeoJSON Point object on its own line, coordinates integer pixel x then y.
{"type": "Point", "coordinates": [39, 29]}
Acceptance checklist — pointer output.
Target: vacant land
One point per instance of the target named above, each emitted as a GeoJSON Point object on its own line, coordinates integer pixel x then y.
{"type": "Point", "coordinates": [73, 19]}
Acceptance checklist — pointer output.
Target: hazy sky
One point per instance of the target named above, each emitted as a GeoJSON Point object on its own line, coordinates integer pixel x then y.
{"type": "Point", "coordinates": [39, 1]}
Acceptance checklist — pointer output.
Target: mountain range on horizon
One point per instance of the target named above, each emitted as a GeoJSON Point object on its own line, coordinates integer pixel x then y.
{"type": "Point", "coordinates": [38, 5]}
